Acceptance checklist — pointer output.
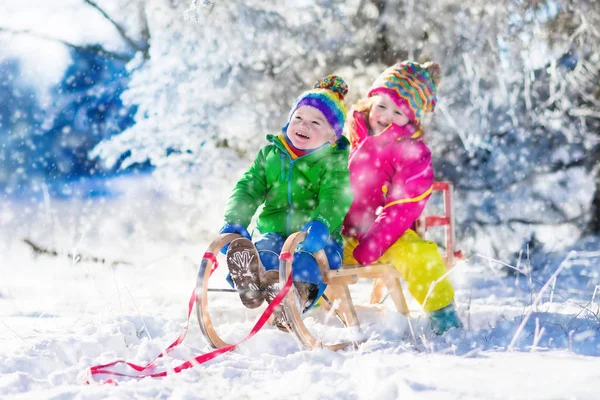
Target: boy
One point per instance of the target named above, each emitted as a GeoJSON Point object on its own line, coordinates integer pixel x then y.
{"type": "Point", "coordinates": [302, 179]}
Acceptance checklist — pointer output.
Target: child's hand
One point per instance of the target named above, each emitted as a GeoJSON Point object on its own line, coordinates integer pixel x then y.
{"type": "Point", "coordinates": [317, 236]}
{"type": "Point", "coordinates": [234, 228]}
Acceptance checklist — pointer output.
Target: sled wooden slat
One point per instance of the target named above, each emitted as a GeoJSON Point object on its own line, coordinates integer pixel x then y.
{"type": "Point", "coordinates": [371, 271]}
{"type": "Point", "coordinates": [346, 306]}
{"type": "Point", "coordinates": [386, 276]}
{"type": "Point", "coordinates": [446, 221]}
{"type": "Point", "coordinates": [378, 291]}
{"type": "Point", "coordinates": [436, 221]}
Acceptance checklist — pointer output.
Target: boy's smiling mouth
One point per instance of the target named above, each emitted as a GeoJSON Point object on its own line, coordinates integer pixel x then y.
{"type": "Point", "coordinates": [302, 135]}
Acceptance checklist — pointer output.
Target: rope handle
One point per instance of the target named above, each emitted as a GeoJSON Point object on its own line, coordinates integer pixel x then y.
{"type": "Point", "coordinates": [102, 369]}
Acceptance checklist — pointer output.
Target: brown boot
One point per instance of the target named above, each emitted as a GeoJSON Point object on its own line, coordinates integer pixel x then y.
{"type": "Point", "coordinates": [268, 277]}
{"type": "Point", "coordinates": [306, 292]}
{"type": "Point", "coordinates": [271, 287]}
{"type": "Point", "coordinates": [243, 264]}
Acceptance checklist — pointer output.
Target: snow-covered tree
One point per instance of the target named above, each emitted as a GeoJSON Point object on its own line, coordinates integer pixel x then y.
{"type": "Point", "coordinates": [517, 120]}
{"type": "Point", "coordinates": [514, 128]}
{"type": "Point", "coordinates": [220, 77]}
{"type": "Point", "coordinates": [46, 142]}
{"type": "Point", "coordinates": [526, 112]}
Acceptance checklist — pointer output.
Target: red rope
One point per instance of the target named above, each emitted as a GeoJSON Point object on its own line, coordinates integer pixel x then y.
{"type": "Point", "coordinates": [102, 368]}
{"type": "Point", "coordinates": [212, 258]}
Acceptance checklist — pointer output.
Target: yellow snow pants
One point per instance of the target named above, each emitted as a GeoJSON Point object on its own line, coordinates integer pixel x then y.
{"type": "Point", "coordinates": [420, 264]}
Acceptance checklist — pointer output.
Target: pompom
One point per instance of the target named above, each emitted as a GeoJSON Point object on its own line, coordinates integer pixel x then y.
{"type": "Point", "coordinates": [333, 83]}
{"type": "Point", "coordinates": [434, 71]}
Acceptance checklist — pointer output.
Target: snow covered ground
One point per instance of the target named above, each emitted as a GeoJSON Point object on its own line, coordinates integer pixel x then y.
{"type": "Point", "coordinates": [60, 315]}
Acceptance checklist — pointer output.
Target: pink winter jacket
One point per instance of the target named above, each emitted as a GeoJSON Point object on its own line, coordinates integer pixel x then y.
{"type": "Point", "coordinates": [391, 176]}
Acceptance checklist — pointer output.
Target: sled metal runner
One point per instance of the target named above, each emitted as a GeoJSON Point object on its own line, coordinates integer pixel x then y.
{"type": "Point", "coordinates": [337, 297]}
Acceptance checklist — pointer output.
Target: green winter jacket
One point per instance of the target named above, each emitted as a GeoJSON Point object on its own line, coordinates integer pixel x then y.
{"type": "Point", "coordinates": [315, 186]}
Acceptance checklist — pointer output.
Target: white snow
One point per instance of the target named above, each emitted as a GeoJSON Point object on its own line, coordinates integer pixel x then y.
{"type": "Point", "coordinates": [59, 316]}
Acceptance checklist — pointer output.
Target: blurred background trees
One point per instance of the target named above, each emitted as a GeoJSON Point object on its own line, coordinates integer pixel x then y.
{"type": "Point", "coordinates": [47, 146]}
{"type": "Point", "coordinates": [517, 127]}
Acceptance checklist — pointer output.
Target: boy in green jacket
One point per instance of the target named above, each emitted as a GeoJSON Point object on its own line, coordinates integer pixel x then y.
{"type": "Point", "coordinates": [302, 179]}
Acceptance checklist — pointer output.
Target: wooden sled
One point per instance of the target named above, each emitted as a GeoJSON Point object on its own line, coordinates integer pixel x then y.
{"type": "Point", "coordinates": [337, 294]}
{"type": "Point", "coordinates": [338, 299]}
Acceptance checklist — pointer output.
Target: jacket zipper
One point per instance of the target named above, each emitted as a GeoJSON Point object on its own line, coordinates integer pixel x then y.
{"type": "Point", "coordinates": [284, 155]}
{"type": "Point", "coordinates": [289, 216]}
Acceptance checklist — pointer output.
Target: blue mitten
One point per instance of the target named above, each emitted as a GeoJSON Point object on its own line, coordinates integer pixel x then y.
{"type": "Point", "coordinates": [317, 236]}
{"type": "Point", "coordinates": [234, 228]}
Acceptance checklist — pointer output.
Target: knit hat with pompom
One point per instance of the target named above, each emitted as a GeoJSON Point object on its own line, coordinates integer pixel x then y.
{"type": "Point", "coordinates": [327, 96]}
{"type": "Point", "coordinates": [411, 85]}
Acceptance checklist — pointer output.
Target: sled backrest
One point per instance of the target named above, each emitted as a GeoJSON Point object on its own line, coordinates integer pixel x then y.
{"type": "Point", "coordinates": [446, 220]}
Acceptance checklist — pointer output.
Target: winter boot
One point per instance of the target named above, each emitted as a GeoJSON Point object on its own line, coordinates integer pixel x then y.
{"type": "Point", "coordinates": [307, 293]}
{"type": "Point", "coordinates": [280, 319]}
{"type": "Point", "coordinates": [268, 277]}
{"type": "Point", "coordinates": [307, 278]}
{"type": "Point", "coordinates": [243, 264]}
{"type": "Point", "coordinates": [444, 319]}
{"type": "Point", "coordinates": [270, 286]}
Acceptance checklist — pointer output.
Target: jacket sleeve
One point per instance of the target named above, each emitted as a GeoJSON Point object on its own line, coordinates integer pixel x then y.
{"type": "Point", "coordinates": [249, 192]}
{"type": "Point", "coordinates": [410, 188]}
{"type": "Point", "coordinates": [335, 195]}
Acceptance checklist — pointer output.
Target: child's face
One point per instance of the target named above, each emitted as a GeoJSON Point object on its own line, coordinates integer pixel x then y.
{"type": "Point", "coordinates": [384, 112]}
{"type": "Point", "coordinates": [308, 129]}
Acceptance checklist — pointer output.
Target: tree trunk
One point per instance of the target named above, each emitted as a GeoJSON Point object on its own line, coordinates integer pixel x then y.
{"type": "Point", "coordinates": [384, 51]}
{"type": "Point", "coordinates": [594, 224]}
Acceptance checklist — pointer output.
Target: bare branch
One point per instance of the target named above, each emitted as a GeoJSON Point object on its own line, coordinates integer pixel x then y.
{"type": "Point", "coordinates": [584, 112]}
{"type": "Point", "coordinates": [81, 257]}
{"type": "Point", "coordinates": [553, 206]}
{"type": "Point", "coordinates": [145, 31]}
{"type": "Point", "coordinates": [119, 28]}
{"type": "Point", "coordinates": [95, 49]}
{"type": "Point", "coordinates": [358, 16]}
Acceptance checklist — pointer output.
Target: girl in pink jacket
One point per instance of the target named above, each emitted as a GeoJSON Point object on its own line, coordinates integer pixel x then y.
{"type": "Point", "coordinates": [391, 176]}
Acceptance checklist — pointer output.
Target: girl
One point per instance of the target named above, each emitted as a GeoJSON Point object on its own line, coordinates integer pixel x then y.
{"type": "Point", "coordinates": [391, 176]}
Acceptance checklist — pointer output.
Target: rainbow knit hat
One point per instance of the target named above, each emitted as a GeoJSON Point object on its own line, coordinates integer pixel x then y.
{"type": "Point", "coordinates": [411, 85]}
{"type": "Point", "coordinates": [327, 96]}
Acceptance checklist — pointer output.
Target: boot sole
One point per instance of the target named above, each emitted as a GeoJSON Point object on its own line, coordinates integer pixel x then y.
{"type": "Point", "coordinates": [243, 264]}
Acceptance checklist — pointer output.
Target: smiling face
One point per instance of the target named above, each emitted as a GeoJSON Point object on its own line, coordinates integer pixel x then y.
{"type": "Point", "coordinates": [384, 112]}
{"type": "Point", "coordinates": [308, 129]}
